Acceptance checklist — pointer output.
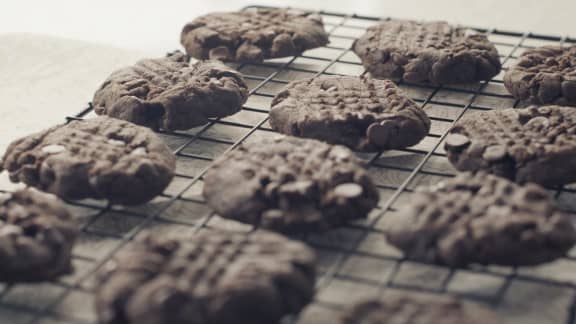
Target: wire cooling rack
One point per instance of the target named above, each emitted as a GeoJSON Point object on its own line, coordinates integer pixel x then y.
{"type": "Point", "coordinates": [354, 261]}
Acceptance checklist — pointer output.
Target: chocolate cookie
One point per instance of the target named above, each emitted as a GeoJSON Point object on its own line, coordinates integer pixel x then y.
{"type": "Point", "coordinates": [253, 35]}
{"type": "Point", "coordinates": [209, 278]}
{"type": "Point", "coordinates": [364, 114]}
{"type": "Point", "coordinates": [544, 75]}
{"type": "Point", "coordinates": [481, 219]}
{"type": "Point", "coordinates": [36, 237]}
{"type": "Point", "coordinates": [170, 93]}
{"type": "Point", "coordinates": [290, 185]}
{"type": "Point", "coordinates": [525, 145]}
{"type": "Point", "coordinates": [417, 308]}
{"type": "Point", "coordinates": [94, 158]}
{"type": "Point", "coordinates": [432, 52]}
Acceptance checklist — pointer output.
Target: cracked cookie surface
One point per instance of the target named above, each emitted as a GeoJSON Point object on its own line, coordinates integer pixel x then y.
{"type": "Point", "coordinates": [253, 35]}
{"type": "Point", "coordinates": [363, 114]}
{"type": "Point", "coordinates": [481, 218]}
{"type": "Point", "coordinates": [536, 144]}
{"type": "Point", "coordinates": [102, 158]}
{"type": "Point", "coordinates": [432, 52]}
{"type": "Point", "coordinates": [170, 93]}
{"type": "Point", "coordinates": [207, 278]}
{"type": "Point", "coordinates": [36, 237]}
{"type": "Point", "coordinates": [411, 308]}
{"type": "Point", "coordinates": [290, 185]}
{"type": "Point", "coordinates": [544, 75]}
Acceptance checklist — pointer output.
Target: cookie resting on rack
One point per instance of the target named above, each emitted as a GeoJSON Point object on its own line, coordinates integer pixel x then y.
{"type": "Point", "coordinates": [428, 52]}
{"type": "Point", "coordinates": [361, 113]}
{"type": "Point", "coordinates": [207, 278]}
{"type": "Point", "coordinates": [484, 219]}
{"type": "Point", "coordinates": [290, 185]}
{"type": "Point", "coordinates": [402, 307]}
{"type": "Point", "coordinates": [544, 75]}
{"type": "Point", "coordinates": [170, 93]}
{"type": "Point", "coordinates": [102, 158]}
{"type": "Point", "coordinates": [253, 35]}
{"type": "Point", "coordinates": [536, 144]}
{"type": "Point", "coordinates": [36, 237]}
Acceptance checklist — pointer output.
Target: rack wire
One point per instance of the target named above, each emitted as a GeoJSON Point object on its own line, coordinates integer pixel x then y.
{"type": "Point", "coordinates": [355, 261]}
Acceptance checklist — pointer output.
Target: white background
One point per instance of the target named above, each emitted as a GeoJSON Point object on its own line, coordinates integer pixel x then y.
{"type": "Point", "coordinates": [155, 26]}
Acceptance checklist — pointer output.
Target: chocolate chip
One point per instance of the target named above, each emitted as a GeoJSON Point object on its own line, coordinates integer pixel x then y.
{"type": "Point", "coordinates": [116, 142]}
{"type": "Point", "coordinates": [348, 190]}
{"type": "Point", "coordinates": [382, 133]}
{"type": "Point", "coordinates": [494, 153]}
{"type": "Point", "coordinates": [455, 140]}
{"type": "Point", "coordinates": [220, 53]}
{"type": "Point", "coordinates": [139, 151]}
{"type": "Point", "coordinates": [53, 149]}
{"type": "Point", "coordinates": [539, 121]}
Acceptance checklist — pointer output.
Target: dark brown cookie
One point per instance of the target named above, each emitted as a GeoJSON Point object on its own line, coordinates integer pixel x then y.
{"type": "Point", "coordinates": [417, 308]}
{"type": "Point", "coordinates": [364, 114]}
{"type": "Point", "coordinates": [432, 52]}
{"type": "Point", "coordinates": [291, 185]}
{"type": "Point", "coordinates": [253, 35]}
{"type": "Point", "coordinates": [36, 237]}
{"type": "Point", "coordinates": [525, 145]}
{"type": "Point", "coordinates": [481, 219]}
{"type": "Point", "coordinates": [94, 158]}
{"type": "Point", "coordinates": [209, 278]}
{"type": "Point", "coordinates": [544, 75]}
{"type": "Point", "coordinates": [170, 93]}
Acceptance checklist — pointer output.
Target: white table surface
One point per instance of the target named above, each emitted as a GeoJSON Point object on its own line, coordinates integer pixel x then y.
{"type": "Point", "coordinates": [54, 54]}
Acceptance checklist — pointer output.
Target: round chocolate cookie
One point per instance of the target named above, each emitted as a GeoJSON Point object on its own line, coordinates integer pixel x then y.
{"type": "Point", "coordinates": [364, 114]}
{"type": "Point", "coordinates": [544, 75]}
{"type": "Point", "coordinates": [36, 237]}
{"type": "Point", "coordinates": [290, 185]}
{"type": "Point", "coordinates": [481, 218]}
{"type": "Point", "coordinates": [417, 308]}
{"type": "Point", "coordinates": [525, 145]}
{"type": "Point", "coordinates": [94, 158]}
{"type": "Point", "coordinates": [253, 34]}
{"type": "Point", "coordinates": [431, 52]}
{"type": "Point", "coordinates": [170, 93]}
{"type": "Point", "coordinates": [208, 278]}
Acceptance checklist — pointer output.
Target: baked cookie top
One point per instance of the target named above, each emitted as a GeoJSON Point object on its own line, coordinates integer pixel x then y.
{"type": "Point", "coordinates": [36, 237]}
{"type": "Point", "coordinates": [364, 114]}
{"type": "Point", "coordinates": [103, 158]}
{"type": "Point", "coordinates": [170, 93]}
{"type": "Point", "coordinates": [544, 75]}
{"type": "Point", "coordinates": [208, 278]}
{"type": "Point", "coordinates": [536, 144]}
{"type": "Point", "coordinates": [481, 218]}
{"type": "Point", "coordinates": [290, 184]}
{"type": "Point", "coordinates": [430, 52]}
{"type": "Point", "coordinates": [402, 307]}
{"type": "Point", "coordinates": [253, 34]}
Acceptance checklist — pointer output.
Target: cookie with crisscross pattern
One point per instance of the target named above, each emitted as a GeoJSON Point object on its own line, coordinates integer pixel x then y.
{"type": "Point", "coordinates": [364, 114]}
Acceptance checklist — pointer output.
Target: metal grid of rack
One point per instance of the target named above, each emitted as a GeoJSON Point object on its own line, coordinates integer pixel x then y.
{"type": "Point", "coordinates": [354, 261]}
